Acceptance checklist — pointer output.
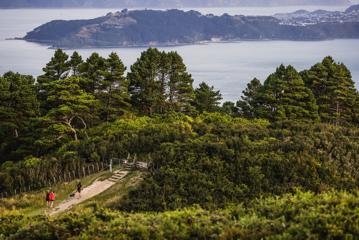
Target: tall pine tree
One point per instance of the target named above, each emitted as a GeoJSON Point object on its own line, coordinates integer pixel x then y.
{"type": "Point", "coordinates": [284, 96]}
{"type": "Point", "coordinates": [249, 104]}
{"type": "Point", "coordinates": [18, 103]}
{"type": "Point", "coordinates": [75, 64]}
{"type": "Point", "coordinates": [57, 68]}
{"type": "Point", "coordinates": [334, 90]}
{"type": "Point", "coordinates": [113, 89]}
{"type": "Point", "coordinates": [180, 92]}
{"type": "Point", "coordinates": [159, 82]}
{"type": "Point", "coordinates": [18, 109]}
{"type": "Point", "coordinates": [207, 99]}
{"type": "Point", "coordinates": [93, 73]}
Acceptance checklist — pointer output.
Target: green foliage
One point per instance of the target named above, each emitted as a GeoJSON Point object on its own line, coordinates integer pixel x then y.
{"type": "Point", "coordinates": [71, 108]}
{"type": "Point", "coordinates": [249, 105]}
{"type": "Point", "coordinates": [303, 215]}
{"type": "Point", "coordinates": [284, 96]}
{"type": "Point", "coordinates": [113, 90]}
{"type": "Point", "coordinates": [199, 153]}
{"type": "Point", "coordinates": [159, 83]}
{"type": "Point", "coordinates": [334, 90]}
{"type": "Point", "coordinates": [18, 108]}
{"type": "Point", "coordinates": [75, 63]}
{"type": "Point", "coordinates": [207, 99]}
{"type": "Point", "coordinates": [228, 160]}
{"type": "Point", "coordinates": [230, 108]}
{"type": "Point", "coordinates": [58, 68]}
{"type": "Point", "coordinates": [93, 71]}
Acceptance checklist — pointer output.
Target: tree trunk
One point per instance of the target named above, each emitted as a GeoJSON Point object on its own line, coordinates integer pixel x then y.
{"type": "Point", "coordinates": [108, 104]}
{"type": "Point", "coordinates": [73, 130]}
{"type": "Point", "coordinates": [16, 133]}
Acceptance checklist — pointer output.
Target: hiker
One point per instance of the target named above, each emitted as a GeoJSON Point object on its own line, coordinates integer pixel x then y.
{"type": "Point", "coordinates": [51, 199]}
{"type": "Point", "coordinates": [47, 198]}
{"type": "Point", "coordinates": [79, 188]}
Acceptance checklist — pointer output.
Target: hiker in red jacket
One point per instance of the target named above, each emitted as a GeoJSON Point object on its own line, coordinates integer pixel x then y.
{"type": "Point", "coordinates": [52, 199]}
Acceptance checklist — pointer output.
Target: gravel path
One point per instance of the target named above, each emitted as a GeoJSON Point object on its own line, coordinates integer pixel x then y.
{"type": "Point", "coordinates": [91, 191]}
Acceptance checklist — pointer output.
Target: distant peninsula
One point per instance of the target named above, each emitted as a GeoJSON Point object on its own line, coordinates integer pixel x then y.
{"type": "Point", "coordinates": [176, 27]}
{"type": "Point", "coordinates": [160, 3]}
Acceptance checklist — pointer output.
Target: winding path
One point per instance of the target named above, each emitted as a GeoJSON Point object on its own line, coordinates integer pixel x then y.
{"type": "Point", "coordinates": [91, 191]}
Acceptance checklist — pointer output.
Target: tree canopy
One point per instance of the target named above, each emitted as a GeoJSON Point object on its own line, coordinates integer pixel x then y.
{"type": "Point", "coordinates": [159, 83]}
{"type": "Point", "coordinates": [207, 99]}
{"type": "Point", "coordinates": [334, 90]}
{"type": "Point", "coordinates": [293, 130]}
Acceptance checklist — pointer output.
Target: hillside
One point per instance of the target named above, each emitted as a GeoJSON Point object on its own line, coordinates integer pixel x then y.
{"type": "Point", "coordinates": [97, 188]}
{"type": "Point", "coordinates": [176, 27]}
{"type": "Point", "coordinates": [161, 3]}
{"type": "Point", "coordinates": [298, 216]}
{"type": "Point", "coordinates": [306, 18]}
{"type": "Point", "coordinates": [280, 163]}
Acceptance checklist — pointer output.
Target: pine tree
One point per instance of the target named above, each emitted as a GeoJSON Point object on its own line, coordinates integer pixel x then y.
{"type": "Point", "coordinates": [180, 93]}
{"type": "Point", "coordinates": [18, 103]}
{"type": "Point", "coordinates": [284, 96]}
{"type": "Point", "coordinates": [18, 109]}
{"type": "Point", "coordinates": [230, 108]}
{"type": "Point", "coordinates": [57, 68]}
{"type": "Point", "coordinates": [75, 63]}
{"type": "Point", "coordinates": [356, 110]}
{"type": "Point", "coordinates": [93, 73]}
{"type": "Point", "coordinates": [207, 99]}
{"type": "Point", "coordinates": [334, 90]}
{"type": "Point", "coordinates": [145, 87]}
{"type": "Point", "coordinates": [72, 108]}
{"type": "Point", "coordinates": [113, 89]}
{"type": "Point", "coordinates": [249, 105]}
{"type": "Point", "coordinates": [159, 82]}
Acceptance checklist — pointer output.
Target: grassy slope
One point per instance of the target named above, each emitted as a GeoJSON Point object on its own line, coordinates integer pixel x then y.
{"type": "Point", "coordinates": [33, 203]}
{"type": "Point", "coordinates": [114, 194]}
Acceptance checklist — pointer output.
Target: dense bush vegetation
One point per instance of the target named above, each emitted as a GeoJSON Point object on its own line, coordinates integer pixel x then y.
{"type": "Point", "coordinates": [331, 215]}
{"type": "Point", "coordinates": [225, 160]}
{"type": "Point", "coordinates": [80, 112]}
{"type": "Point", "coordinates": [296, 130]}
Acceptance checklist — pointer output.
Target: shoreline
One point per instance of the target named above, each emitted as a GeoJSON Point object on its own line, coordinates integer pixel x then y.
{"type": "Point", "coordinates": [164, 45]}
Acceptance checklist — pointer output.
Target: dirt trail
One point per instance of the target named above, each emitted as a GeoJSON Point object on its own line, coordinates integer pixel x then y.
{"type": "Point", "coordinates": [91, 191]}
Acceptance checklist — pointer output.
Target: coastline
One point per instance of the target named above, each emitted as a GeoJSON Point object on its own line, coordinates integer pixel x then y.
{"type": "Point", "coordinates": [165, 45]}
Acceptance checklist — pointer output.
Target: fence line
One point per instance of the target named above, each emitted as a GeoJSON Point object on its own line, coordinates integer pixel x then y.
{"type": "Point", "coordinates": [64, 177]}
{"type": "Point", "coordinates": [83, 171]}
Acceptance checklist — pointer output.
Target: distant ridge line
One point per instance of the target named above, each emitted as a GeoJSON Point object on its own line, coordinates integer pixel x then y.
{"type": "Point", "coordinates": [163, 3]}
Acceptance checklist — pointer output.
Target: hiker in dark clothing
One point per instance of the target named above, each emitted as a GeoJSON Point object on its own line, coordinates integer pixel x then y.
{"type": "Point", "coordinates": [79, 188]}
{"type": "Point", "coordinates": [47, 198]}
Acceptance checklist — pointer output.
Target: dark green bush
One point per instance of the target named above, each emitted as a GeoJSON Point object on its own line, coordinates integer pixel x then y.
{"type": "Point", "coordinates": [302, 215]}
